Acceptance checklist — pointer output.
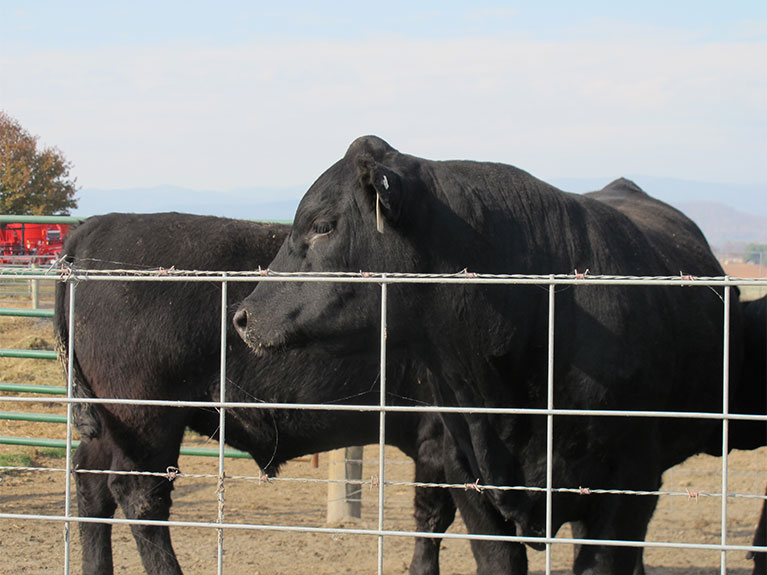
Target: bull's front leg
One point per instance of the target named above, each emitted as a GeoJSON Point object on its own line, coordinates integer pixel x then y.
{"type": "Point", "coordinates": [619, 518]}
{"type": "Point", "coordinates": [481, 517]}
{"type": "Point", "coordinates": [434, 506]}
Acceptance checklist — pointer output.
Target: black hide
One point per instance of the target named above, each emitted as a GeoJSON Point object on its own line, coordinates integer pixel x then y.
{"type": "Point", "coordinates": [753, 400]}
{"type": "Point", "coordinates": [150, 340]}
{"type": "Point", "coordinates": [616, 347]}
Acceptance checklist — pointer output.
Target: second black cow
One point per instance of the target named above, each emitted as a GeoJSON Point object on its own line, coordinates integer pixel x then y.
{"type": "Point", "coordinates": [151, 340]}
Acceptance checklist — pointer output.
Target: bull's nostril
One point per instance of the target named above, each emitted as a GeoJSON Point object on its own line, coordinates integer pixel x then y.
{"type": "Point", "coordinates": [241, 321]}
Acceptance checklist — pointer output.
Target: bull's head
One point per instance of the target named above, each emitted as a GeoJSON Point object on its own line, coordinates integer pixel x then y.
{"type": "Point", "coordinates": [357, 216]}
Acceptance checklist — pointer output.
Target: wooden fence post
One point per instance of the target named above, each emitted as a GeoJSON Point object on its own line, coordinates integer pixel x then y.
{"type": "Point", "coordinates": [344, 499]}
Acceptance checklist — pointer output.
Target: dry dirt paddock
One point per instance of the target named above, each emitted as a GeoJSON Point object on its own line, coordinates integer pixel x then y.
{"type": "Point", "coordinates": [38, 547]}
{"type": "Point", "coordinates": [299, 498]}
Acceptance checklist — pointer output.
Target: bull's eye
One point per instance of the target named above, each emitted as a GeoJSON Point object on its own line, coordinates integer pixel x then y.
{"type": "Point", "coordinates": [322, 227]}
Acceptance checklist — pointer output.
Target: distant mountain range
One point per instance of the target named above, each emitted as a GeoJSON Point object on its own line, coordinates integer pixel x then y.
{"type": "Point", "coordinates": [726, 229]}
{"type": "Point", "coordinates": [730, 215]}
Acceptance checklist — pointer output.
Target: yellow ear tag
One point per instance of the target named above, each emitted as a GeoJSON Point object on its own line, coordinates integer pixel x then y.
{"type": "Point", "coordinates": [379, 218]}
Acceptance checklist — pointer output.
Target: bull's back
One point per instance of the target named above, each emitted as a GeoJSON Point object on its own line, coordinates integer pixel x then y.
{"type": "Point", "coordinates": [675, 238]}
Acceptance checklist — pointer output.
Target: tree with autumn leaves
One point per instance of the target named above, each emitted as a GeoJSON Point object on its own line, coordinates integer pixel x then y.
{"type": "Point", "coordinates": [32, 181]}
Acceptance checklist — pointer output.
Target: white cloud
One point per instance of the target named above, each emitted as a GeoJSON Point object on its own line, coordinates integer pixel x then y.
{"type": "Point", "coordinates": [278, 113]}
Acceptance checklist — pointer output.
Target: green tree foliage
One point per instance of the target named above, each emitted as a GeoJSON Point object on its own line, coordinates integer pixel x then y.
{"type": "Point", "coordinates": [32, 181]}
{"type": "Point", "coordinates": [756, 253]}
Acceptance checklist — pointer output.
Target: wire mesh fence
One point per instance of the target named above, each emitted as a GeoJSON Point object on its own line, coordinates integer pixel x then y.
{"type": "Point", "coordinates": [387, 483]}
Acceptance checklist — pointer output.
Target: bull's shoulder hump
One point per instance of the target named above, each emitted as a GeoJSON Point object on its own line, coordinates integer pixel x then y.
{"type": "Point", "coordinates": [622, 187]}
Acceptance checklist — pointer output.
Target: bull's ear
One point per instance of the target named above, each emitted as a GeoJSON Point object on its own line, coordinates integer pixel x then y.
{"type": "Point", "coordinates": [384, 187]}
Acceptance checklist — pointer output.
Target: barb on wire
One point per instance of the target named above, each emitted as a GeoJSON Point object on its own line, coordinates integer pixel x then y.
{"type": "Point", "coordinates": [66, 270]}
{"type": "Point", "coordinates": [57, 263]}
{"type": "Point", "coordinates": [692, 494]}
{"type": "Point", "coordinates": [473, 486]}
{"type": "Point", "coordinates": [581, 276]}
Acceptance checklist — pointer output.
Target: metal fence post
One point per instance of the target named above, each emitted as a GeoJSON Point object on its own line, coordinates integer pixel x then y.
{"type": "Point", "coordinates": [725, 423]}
{"type": "Point", "coordinates": [382, 423]}
{"type": "Point", "coordinates": [222, 425]}
{"type": "Point", "coordinates": [68, 455]}
{"type": "Point", "coordinates": [550, 429]}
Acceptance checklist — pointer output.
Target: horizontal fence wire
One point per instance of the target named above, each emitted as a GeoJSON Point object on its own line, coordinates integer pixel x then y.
{"type": "Point", "coordinates": [67, 272]}
{"type": "Point", "coordinates": [74, 276]}
{"type": "Point", "coordinates": [386, 533]}
{"type": "Point", "coordinates": [173, 474]}
{"type": "Point", "coordinates": [393, 408]}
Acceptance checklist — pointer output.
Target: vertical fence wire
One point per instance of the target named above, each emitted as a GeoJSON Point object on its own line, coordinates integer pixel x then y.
{"type": "Point", "coordinates": [550, 430]}
{"type": "Point", "coordinates": [725, 421]}
{"type": "Point", "coordinates": [382, 429]}
{"type": "Point", "coordinates": [68, 454]}
{"type": "Point", "coordinates": [221, 425]}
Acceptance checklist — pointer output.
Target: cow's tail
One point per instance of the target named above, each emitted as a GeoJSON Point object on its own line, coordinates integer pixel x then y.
{"type": "Point", "coordinates": [86, 416]}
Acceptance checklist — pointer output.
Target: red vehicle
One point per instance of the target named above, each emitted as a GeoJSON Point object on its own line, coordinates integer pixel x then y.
{"type": "Point", "coordinates": [27, 242]}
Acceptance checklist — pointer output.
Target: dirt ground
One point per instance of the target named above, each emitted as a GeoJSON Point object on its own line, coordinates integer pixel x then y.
{"type": "Point", "coordinates": [299, 497]}
{"type": "Point", "coordinates": [32, 546]}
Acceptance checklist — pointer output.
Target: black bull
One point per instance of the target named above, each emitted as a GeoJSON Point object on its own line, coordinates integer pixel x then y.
{"type": "Point", "coordinates": [150, 340]}
{"type": "Point", "coordinates": [638, 348]}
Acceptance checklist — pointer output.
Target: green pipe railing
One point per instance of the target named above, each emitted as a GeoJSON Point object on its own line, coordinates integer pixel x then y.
{"type": "Point", "coordinates": [57, 418]}
{"type": "Point", "coordinates": [27, 416]}
{"type": "Point", "coordinates": [46, 354]}
{"type": "Point", "coordinates": [27, 219]}
{"type": "Point", "coordinates": [62, 444]}
{"type": "Point", "coordinates": [25, 312]}
{"type": "Point", "coordinates": [36, 441]}
{"type": "Point", "coordinates": [29, 353]}
{"type": "Point", "coordinates": [32, 388]}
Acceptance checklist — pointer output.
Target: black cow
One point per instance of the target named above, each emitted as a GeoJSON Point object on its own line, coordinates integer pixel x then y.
{"type": "Point", "coordinates": [639, 348]}
{"type": "Point", "coordinates": [150, 340]}
{"type": "Point", "coordinates": [753, 400]}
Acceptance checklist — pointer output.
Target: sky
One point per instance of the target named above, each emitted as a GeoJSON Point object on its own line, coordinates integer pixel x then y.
{"type": "Point", "coordinates": [232, 95]}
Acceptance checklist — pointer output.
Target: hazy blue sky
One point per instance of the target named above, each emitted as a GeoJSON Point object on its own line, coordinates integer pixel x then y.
{"type": "Point", "coordinates": [242, 94]}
